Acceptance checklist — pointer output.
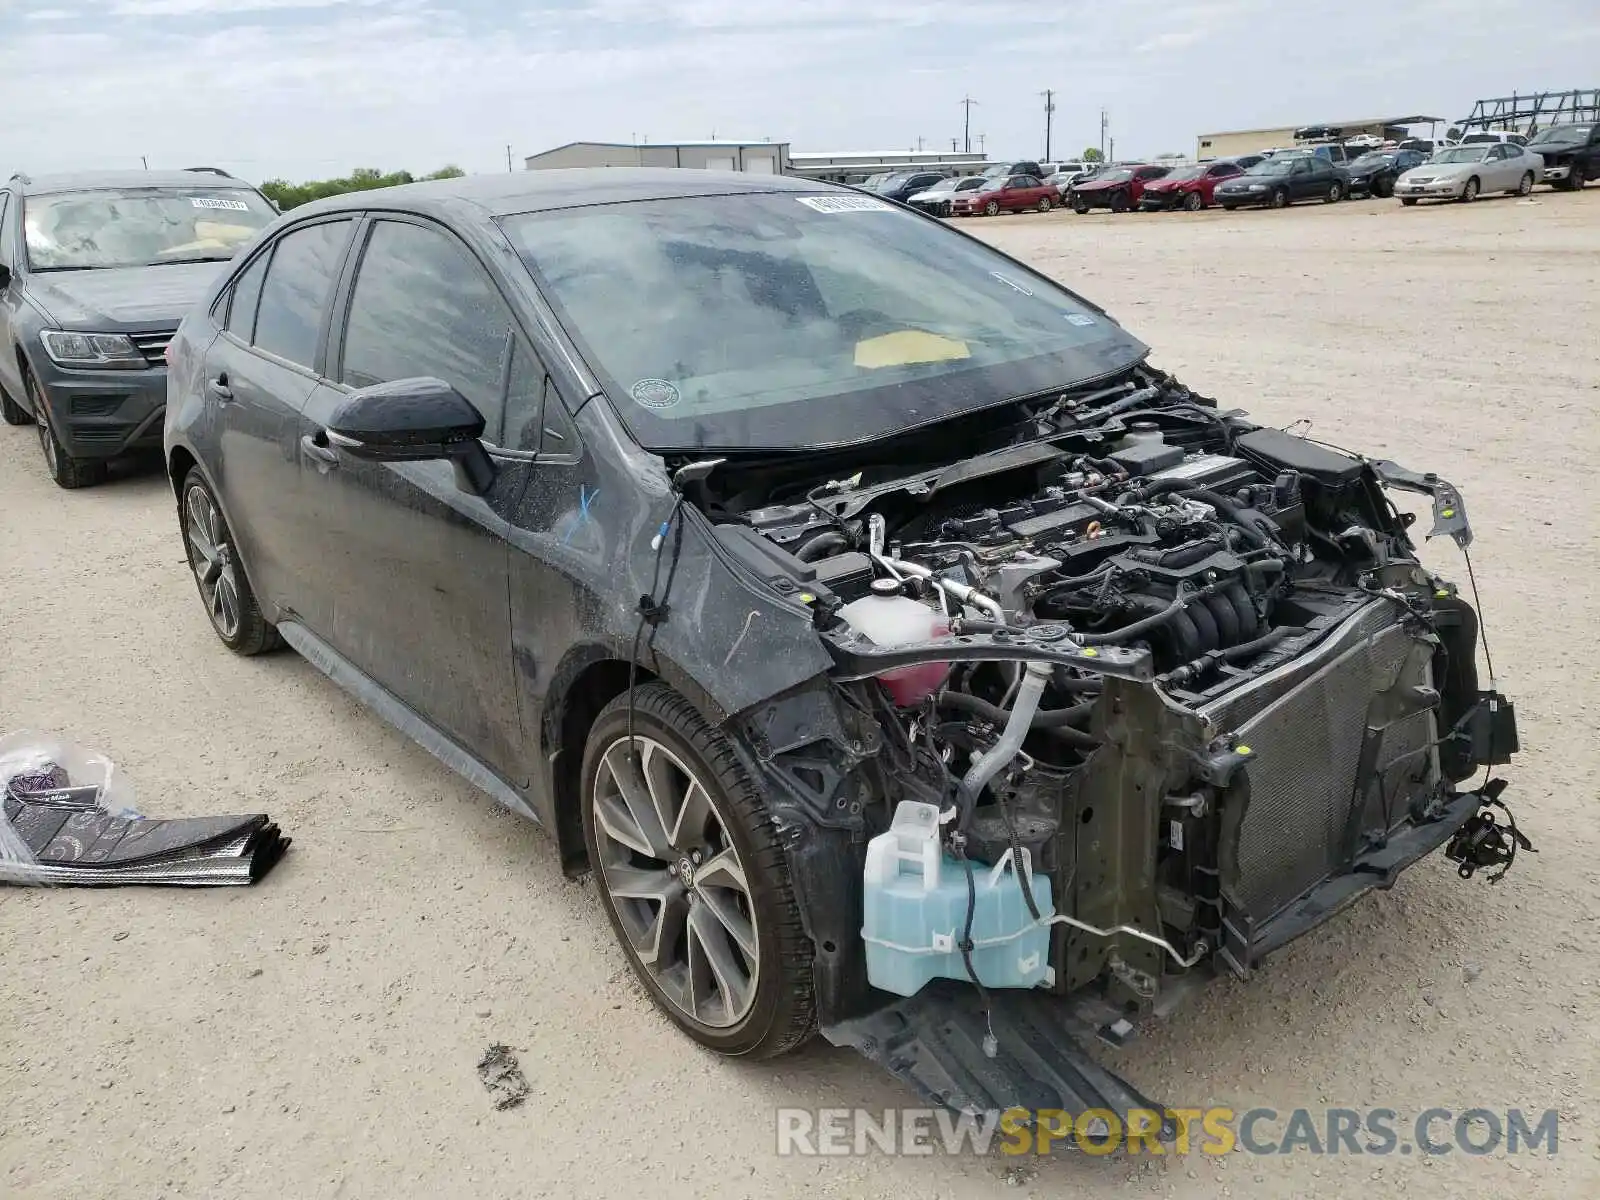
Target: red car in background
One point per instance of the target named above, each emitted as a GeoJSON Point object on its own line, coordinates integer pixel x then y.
{"type": "Point", "coordinates": [1118, 189]}
{"type": "Point", "coordinates": [1012, 193]}
{"type": "Point", "coordinates": [1187, 187]}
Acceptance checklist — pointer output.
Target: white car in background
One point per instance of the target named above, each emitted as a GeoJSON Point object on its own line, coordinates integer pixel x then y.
{"type": "Point", "coordinates": [1465, 172]}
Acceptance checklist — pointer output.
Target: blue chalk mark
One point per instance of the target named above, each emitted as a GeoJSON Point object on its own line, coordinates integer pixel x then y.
{"type": "Point", "coordinates": [585, 499]}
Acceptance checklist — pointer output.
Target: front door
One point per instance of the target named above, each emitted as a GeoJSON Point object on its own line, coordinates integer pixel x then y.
{"type": "Point", "coordinates": [258, 372]}
{"type": "Point", "coordinates": [413, 587]}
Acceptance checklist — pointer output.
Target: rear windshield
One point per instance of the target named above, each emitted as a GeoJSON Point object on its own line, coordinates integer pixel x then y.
{"type": "Point", "coordinates": [782, 320]}
{"type": "Point", "coordinates": [138, 227]}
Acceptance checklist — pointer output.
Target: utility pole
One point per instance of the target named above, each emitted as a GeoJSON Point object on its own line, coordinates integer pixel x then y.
{"type": "Point", "coordinates": [983, 144]}
{"type": "Point", "coordinates": [1104, 125]}
{"type": "Point", "coordinates": [508, 159]}
{"type": "Point", "coordinates": [1049, 112]}
{"type": "Point", "coordinates": [919, 143]}
{"type": "Point", "coordinates": [966, 129]}
{"type": "Point", "coordinates": [955, 145]}
{"type": "Point", "coordinates": [145, 161]}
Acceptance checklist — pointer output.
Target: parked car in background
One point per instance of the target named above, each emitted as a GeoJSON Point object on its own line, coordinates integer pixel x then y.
{"type": "Point", "coordinates": [1465, 172]}
{"type": "Point", "coordinates": [1245, 161]}
{"type": "Point", "coordinates": [1017, 193]}
{"type": "Point", "coordinates": [1119, 189]}
{"type": "Point", "coordinates": [1489, 137]}
{"type": "Point", "coordinates": [1186, 187]}
{"type": "Point", "coordinates": [1284, 179]}
{"type": "Point", "coordinates": [902, 186]}
{"type": "Point", "coordinates": [96, 271]}
{"type": "Point", "coordinates": [1006, 170]}
{"type": "Point", "coordinates": [1570, 153]}
{"type": "Point", "coordinates": [936, 200]}
{"type": "Point", "coordinates": [1374, 174]}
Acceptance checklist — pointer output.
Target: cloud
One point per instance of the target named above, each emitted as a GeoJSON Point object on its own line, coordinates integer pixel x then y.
{"type": "Point", "coordinates": [302, 88]}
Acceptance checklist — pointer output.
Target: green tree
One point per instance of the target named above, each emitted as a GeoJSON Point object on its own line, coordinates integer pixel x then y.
{"type": "Point", "coordinates": [288, 195]}
{"type": "Point", "coordinates": [1092, 154]}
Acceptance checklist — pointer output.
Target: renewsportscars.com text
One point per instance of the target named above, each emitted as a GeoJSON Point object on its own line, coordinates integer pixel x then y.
{"type": "Point", "coordinates": [844, 1132]}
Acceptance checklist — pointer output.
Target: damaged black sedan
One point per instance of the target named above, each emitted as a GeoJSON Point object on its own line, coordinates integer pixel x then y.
{"type": "Point", "coordinates": [900, 652]}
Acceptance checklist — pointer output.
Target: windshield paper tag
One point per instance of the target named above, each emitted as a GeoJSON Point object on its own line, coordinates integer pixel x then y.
{"type": "Point", "coordinates": [843, 204]}
{"type": "Point", "coordinates": [1079, 319]}
{"type": "Point", "coordinates": [214, 202]}
{"type": "Point", "coordinates": [655, 393]}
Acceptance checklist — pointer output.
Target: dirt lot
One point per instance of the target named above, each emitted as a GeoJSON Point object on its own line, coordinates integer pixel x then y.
{"type": "Point", "coordinates": [317, 1036]}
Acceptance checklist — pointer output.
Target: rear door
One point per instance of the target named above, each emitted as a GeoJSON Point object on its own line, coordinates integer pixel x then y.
{"type": "Point", "coordinates": [258, 373]}
{"type": "Point", "coordinates": [1308, 175]}
{"type": "Point", "coordinates": [413, 587]}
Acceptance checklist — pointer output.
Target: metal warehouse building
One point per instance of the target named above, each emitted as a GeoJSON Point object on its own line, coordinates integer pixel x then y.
{"type": "Point", "coordinates": [762, 158]}
{"type": "Point", "coordinates": [841, 166]}
{"type": "Point", "coordinates": [1250, 141]}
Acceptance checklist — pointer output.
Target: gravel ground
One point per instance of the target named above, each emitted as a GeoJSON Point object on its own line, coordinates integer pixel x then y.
{"type": "Point", "coordinates": [318, 1036]}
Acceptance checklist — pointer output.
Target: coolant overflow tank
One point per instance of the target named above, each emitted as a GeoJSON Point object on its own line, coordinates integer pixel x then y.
{"type": "Point", "coordinates": [886, 618]}
{"type": "Point", "coordinates": [1144, 450]}
{"type": "Point", "coordinates": [914, 912]}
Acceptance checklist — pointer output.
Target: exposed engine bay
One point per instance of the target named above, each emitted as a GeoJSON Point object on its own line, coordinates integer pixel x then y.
{"type": "Point", "coordinates": [1187, 669]}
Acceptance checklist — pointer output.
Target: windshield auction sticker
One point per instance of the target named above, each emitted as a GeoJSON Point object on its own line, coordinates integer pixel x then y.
{"type": "Point", "coordinates": [655, 393]}
{"type": "Point", "coordinates": [216, 202]}
{"type": "Point", "coordinates": [844, 204]}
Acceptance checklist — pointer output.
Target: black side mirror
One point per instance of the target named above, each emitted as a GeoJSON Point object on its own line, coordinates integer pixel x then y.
{"type": "Point", "coordinates": [5, 276]}
{"type": "Point", "coordinates": [414, 420]}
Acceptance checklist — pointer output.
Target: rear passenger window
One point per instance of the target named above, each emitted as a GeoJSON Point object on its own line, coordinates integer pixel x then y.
{"type": "Point", "coordinates": [246, 295]}
{"type": "Point", "coordinates": [423, 306]}
{"type": "Point", "coordinates": [295, 293]}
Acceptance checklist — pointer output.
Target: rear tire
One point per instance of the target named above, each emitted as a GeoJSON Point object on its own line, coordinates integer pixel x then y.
{"type": "Point", "coordinates": [992, 209]}
{"type": "Point", "coordinates": [1409, 202]}
{"type": "Point", "coordinates": [1081, 207]}
{"type": "Point", "coordinates": [68, 472]}
{"type": "Point", "coordinates": [218, 571]}
{"type": "Point", "coordinates": [1383, 188]}
{"type": "Point", "coordinates": [1578, 178]}
{"type": "Point", "coordinates": [1524, 185]}
{"type": "Point", "coordinates": [1230, 208]}
{"type": "Point", "coordinates": [659, 916]}
{"type": "Point", "coordinates": [1045, 205]}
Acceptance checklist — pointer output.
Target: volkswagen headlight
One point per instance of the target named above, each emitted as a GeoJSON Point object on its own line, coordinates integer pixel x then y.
{"type": "Point", "coordinates": [100, 351]}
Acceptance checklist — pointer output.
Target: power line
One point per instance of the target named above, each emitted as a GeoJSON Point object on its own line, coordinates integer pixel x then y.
{"type": "Point", "coordinates": [966, 129]}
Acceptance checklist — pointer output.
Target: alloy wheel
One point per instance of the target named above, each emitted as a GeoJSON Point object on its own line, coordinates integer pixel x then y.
{"type": "Point", "coordinates": [1526, 185]}
{"type": "Point", "coordinates": [674, 878]}
{"type": "Point", "coordinates": [212, 559]}
{"type": "Point", "coordinates": [47, 443]}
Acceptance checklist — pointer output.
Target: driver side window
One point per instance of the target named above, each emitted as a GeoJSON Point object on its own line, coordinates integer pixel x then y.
{"type": "Point", "coordinates": [422, 305]}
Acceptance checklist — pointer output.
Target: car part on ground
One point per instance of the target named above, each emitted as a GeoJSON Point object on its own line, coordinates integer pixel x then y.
{"type": "Point", "coordinates": [66, 820]}
{"type": "Point", "coordinates": [1147, 689]}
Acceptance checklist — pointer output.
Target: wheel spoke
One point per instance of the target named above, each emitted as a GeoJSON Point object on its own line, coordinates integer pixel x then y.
{"type": "Point", "coordinates": [693, 818]}
{"type": "Point", "coordinates": [613, 819]}
{"type": "Point", "coordinates": [656, 908]}
{"type": "Point", "coordinates": [636, 800]}
{"type": "Point", "coordinates": [201, 536]}
{"type": "Point", "coordinates": [226, 601]}
{"type": "Point", "coordinates": [714, 965]}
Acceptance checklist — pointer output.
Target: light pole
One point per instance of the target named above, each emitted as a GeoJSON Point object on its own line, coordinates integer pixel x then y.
{"type": "Point", "coordinates": [1049, 112]}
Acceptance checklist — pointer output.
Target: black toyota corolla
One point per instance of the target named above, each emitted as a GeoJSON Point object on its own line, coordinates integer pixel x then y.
{"type": "Point", "coordinates": [901, 653]}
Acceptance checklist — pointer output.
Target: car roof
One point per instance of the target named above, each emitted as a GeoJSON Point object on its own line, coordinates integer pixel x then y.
{"type": "Point", "coordinates": [77, 181]}
{"type": "Point", "coordinates": [577, 187]}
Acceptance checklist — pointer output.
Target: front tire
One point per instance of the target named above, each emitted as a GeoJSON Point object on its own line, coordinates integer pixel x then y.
{"type": "Point", "coordinates": [1335, 194]}
{"type": "Point", "coordinates": [1194, 202]}
{"type": "Point", "coordinates": [1280, 199]}
{"type": "Point", "coordinates": [11, 412]}
{"type": "Point", "coordinates": [1383, 188]}
{"type": "Point", "coordinates": [1470, 192]}
{"type": "Point", "coordinates": [1578, 178]}
{"type": "Point", "coordinates": [1120, 202]}
{"type": "Point", "coordinates": [218, 573]}
{"type": "Point", "coordinates": [1408, 201]}
{"type": "Point", "coordinates": [68, 472]}
{"type": "Point", "coordinates": [1081, 207]}
{"type": "Point", "coordinates": [693, 877]}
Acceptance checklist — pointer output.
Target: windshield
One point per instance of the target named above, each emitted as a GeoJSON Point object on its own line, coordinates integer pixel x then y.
{"type": "Point", "coordinates": [138, 227]}
{"type": "Point", "coordinates": [1372, 160]}
{"type": "Point", "coordinates": [943, 185]}
{"type": "Point", "coordinates": [1280, 165]}
{"type": "Point", "coordinates": [1462, 154]}
{"type": "Point", "coordinates": [788, 321]}
{"type": "Point", "coordinates": [1562, 133]}
{"type": "Point", "coordinates": [1183, 173]}
{"type": "Point", "coordinates": [1114, 177]}
{"type": "Point", "coordinates": [971, 183]}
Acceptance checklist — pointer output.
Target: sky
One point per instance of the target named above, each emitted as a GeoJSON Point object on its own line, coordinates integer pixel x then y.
{"type": "Point", "coordinates": [304, 89]}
